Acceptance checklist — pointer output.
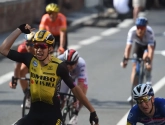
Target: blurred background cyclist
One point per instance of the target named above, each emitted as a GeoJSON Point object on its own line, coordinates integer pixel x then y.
{"type": "Point", "coordinates": [77, 68]}
{"type": "Point", "coordinates": [20, 69]}
{"type": "Point", "coordinates": [148, 110]}
{"type": "Point", "coordinates": [56, 23]}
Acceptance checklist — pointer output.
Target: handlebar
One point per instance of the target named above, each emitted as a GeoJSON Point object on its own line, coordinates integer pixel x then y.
{"type": "Point", "coordinates": [14, 79]}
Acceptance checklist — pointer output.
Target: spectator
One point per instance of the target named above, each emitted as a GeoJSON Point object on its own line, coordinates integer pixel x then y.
{"type": "Point", "coordinates": [138, 5]}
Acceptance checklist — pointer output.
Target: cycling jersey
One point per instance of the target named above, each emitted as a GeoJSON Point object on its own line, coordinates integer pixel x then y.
{"type": "Point", "coordinates": [78, 74]}
{"type": "Point", "coordinates": [53, 26]}
{"type": "Point", "coordinates": [22, 47]}
{"type": "Point", "coordinates": [148, 38]}
{"type": "Point", "coordinates": [136, 115]}
{"type": "Point", "coordinates": [44, 86]}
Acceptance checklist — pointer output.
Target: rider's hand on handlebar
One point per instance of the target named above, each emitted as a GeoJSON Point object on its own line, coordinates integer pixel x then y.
{"type": "Point", "coordinates": [12, 85]}
{"type": "Point", "coordinates": [94, 118]}
{"type": "Point", "coordinates": [123, 64]}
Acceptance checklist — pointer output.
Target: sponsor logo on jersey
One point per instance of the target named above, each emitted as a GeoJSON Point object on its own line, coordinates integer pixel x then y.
{"type": "Point", "coordinates": [50, 68]}
{"type": "Point", "coordinates": [43, 80]}
{"type": "Point", "coordinates": [35, 63]}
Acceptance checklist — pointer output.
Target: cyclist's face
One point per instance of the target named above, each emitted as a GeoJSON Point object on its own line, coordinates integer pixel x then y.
{"type": "Point", "coordinates": [41, 50]}
{"type": "Point", "coordinates": [145, 104]}
{"type": "Point", "coordinates": [140, 31]}
{"type": "Point", "coordinates": [52, 15]}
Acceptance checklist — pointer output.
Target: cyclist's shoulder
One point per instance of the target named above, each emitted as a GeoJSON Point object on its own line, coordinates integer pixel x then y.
{"type": "Point", "coordinates": [150, 30]}
{"type": "Point", "coordinates": [81, 61]}
{"type": "Point", "coordinates": [132, 30]}
{"type": "Point", "coordinates": [61, 16]}
{"type": "Point", "coordinates": [159, 102]}
{"type": "Point", "coordinates": [56, 60]}
{"type": "Point", "coordinates": [61, 57]}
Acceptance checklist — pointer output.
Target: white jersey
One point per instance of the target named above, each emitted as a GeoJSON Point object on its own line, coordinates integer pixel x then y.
{"type": "Point", "coordinates": [79, 74]}
{"type": "Point", "coordinates": [148, 38]}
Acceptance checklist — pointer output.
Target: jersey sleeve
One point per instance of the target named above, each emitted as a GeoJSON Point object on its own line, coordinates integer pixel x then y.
{"type": "Point", "coordinates": [132, 116]}
{"type": "Point", "coordinates": [151, 36]}
{"type": "Point", "coordinates": [43, 22]}
{"type": "Point", "coordinates": [130, 36]}
{"type": "Point", "coordinates": [63, 72]}
{"type": "Point", "coordinates": [82, 72]}
{"type": "Point", "coordinates": [20, 57]}
{"type": "Point", "coordinates": [63, 22]}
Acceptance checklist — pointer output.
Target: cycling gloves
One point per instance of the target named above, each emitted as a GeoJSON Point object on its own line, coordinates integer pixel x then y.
{"type": "Point", "coordinates": [23, 30]}
{"type": "Point", "coordinates": [93, 118]}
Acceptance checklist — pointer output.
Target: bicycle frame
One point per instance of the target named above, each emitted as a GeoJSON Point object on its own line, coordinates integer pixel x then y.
{"type": "Point", "coordinates": [68, 106]}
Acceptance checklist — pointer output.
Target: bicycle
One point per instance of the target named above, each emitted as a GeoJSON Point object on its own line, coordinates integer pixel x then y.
{"type": "Point", "coordinates": [25, 110]}
{"type": "Point", "coordinates": [141, 73]}
{"type": "Point", "coordinates": [68, 109]}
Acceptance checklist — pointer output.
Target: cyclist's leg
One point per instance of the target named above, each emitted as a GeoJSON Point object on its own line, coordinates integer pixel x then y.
{"type": "Point", "coordinates": [138, 50]}
{"type": "Point", "coordinates": [23, 71]}
{"type": "Point", "coordinates": [57, 44]}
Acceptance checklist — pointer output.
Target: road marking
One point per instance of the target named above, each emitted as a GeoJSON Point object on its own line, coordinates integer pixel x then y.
{"type": "Point", "coordinates": [90, 40]}
{"type": "Point", "coordinates": [126, 23]}
{"type": "Point", "coordinates": [157, 86]}
{"type": "Point", "coordinates": [76, 47]}
{"type": "Point", "coordinates": [6, 77]}
{"type": "Point", "coordinates": [110, 31]}
{"type": "Point", "coordinates": [162, 52]}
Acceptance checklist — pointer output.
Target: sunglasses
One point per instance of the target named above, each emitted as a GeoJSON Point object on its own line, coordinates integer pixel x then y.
{"type": "Point", "coordinates": [144, 99]}
{"type": "Point", "coordinates": [71, 63]}
{"type": "Point", "coordinates": [41, 46]}
{"type": "Point", "coordinates": [30, 44]}
{"type": "Point", "coordinates": [141, 27]}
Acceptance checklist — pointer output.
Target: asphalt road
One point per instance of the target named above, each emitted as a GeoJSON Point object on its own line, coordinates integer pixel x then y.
{"type": "Point", "coordinates": [109, 84]}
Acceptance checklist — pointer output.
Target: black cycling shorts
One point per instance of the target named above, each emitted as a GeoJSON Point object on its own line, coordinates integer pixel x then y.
{"type": "Point", "coordinates": [139, 49]}
{"type": "Point", "coordinates": [57, 41]}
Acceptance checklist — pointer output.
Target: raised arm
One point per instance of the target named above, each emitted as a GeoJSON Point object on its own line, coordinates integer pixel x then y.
{"type": "Point", "coordinates": [8, 42]}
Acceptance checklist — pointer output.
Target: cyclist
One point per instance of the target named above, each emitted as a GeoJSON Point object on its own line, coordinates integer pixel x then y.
{"type": "Point", "coordinates": [46, 72]}
{"type": "Point", "coordinates": [55, 22]}
{"type": "Point", "coordinates": [77, 68]}
{"type": "Point", "coordinates": [143, 38]}
{"type": "Point", "coordinates": [148, 110]}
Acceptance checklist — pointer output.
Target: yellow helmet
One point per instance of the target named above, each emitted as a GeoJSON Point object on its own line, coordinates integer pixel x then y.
{"type": "Point", "coordinates": [52, 8]}
{"type": "Point", "coordinates": [44, 36]}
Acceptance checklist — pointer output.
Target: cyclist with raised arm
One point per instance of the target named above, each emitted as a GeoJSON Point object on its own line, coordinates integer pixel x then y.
{"type": "Point", "coordinates": [46, 72]}
{"type": "Point", "coordinates": [56, 23]}
{"type": "Point", "coordinates": [77, 68]}
{"type": "Point", "coordinates": [143, 38]}
{"type": "Point", "coordinates": [148, 110]}
{"type": "Point", "coordinates": [20, 69]}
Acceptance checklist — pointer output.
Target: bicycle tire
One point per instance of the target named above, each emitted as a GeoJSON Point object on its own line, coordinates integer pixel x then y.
{"type": "Point", "coordinates": [25, 110]}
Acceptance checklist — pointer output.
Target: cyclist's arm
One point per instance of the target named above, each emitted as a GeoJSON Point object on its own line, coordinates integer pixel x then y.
{"type": "Point", "coordinates": [7, 43]}
{"type": "Point", "coordinates": [128, 47]}
{"type": "Point", "coordinates": [17, 70]}
{"type": "Point", "coordinates": [63, 27]}
{"type": "Point", "coordinates": [63, 72]}
{"type": "Point", "coordinates": [82, 77]}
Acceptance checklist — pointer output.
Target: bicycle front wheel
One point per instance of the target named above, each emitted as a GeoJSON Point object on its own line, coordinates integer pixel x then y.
{"type": "Point", "coordinates": [26, 104]}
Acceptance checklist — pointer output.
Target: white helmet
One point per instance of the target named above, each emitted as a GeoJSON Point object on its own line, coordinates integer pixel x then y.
{"type": "Point", "coordinates": [71, 56]}
{"type": "Point", "coordinates": [142, 90]}
{"type": "Point", "coordinates": [29, 36]}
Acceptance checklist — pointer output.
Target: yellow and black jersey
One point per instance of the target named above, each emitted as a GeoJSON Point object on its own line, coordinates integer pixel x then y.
{"type": "Point", "coordinates": [44, 80]}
